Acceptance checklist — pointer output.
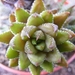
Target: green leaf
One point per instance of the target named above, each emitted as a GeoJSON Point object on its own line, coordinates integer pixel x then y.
{"type": "Point", "coordinates": [35, 70]}
{"type": "Point", "coordinates": [47, 66]}
{"type": "Point", "coordinates": [23, 61]}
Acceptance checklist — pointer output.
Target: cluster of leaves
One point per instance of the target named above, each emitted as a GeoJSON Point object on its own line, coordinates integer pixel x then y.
{"type": "Point", "coordinates": [37, 38]}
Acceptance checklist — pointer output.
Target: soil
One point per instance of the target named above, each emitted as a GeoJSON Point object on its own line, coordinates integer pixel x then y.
{"type": "Point", "coordinates": [4, 23]}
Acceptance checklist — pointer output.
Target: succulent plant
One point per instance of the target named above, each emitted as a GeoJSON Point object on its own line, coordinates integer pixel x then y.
{"type": "Point", "coordinates": [37, 39]}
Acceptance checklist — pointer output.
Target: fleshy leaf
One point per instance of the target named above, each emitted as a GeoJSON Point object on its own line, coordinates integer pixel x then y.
{"type": "Point", "coordinates": [59, 18]}
{"type": "Point", "coordinates": [40, 46]}
{"type": "Point", "coordinates": [49, 28]}
{"type": "Point", "coordinates": [37, 6]}
{"type": "Point", "coordinates": [47, 66]}
{"type": "Point", "coordinates": [70, 32]}
{"type": "Point", "coordinates": [17, 43]}
{"type": "Point", "coordinates": [66, 47]}
{"type": "Point", "coordinates": [27, 32]}
{"type": "Point", "coordinates": [35, 19]}
{"type": "Point", "coordinates": [61, 37]}
{"type": "Point", "coordinates": [50, 43]}
{"type": "Point", "coordinates": [39, 35]}
{"type": "Point", "coordinates": [21, 15]}
{"type": "Point", "coordinates": [5, 37]}
{"type": "Point", "coordinates": [35, 70]}
{"type": "Point", "coordinates": [13, 62]}
{"type": "Point", "coordinates": [47, 16]}
{"type": "Point", "coordinates": [54, 56]}
{"type": "Point", "coordinates": [36, 59]}
{"type": "Point", "coordinates": [63, 62]}
{"type": "Point", "coordinates": [29, 48]}
{"type": "Point", "coordinates": [23, 61]}
{"type": "Point", "coordinates": [11, 53]}
{"type": "Point", "coordinates": [16, 27]}
{"type": "Point", "coordinates": [12, 18]}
